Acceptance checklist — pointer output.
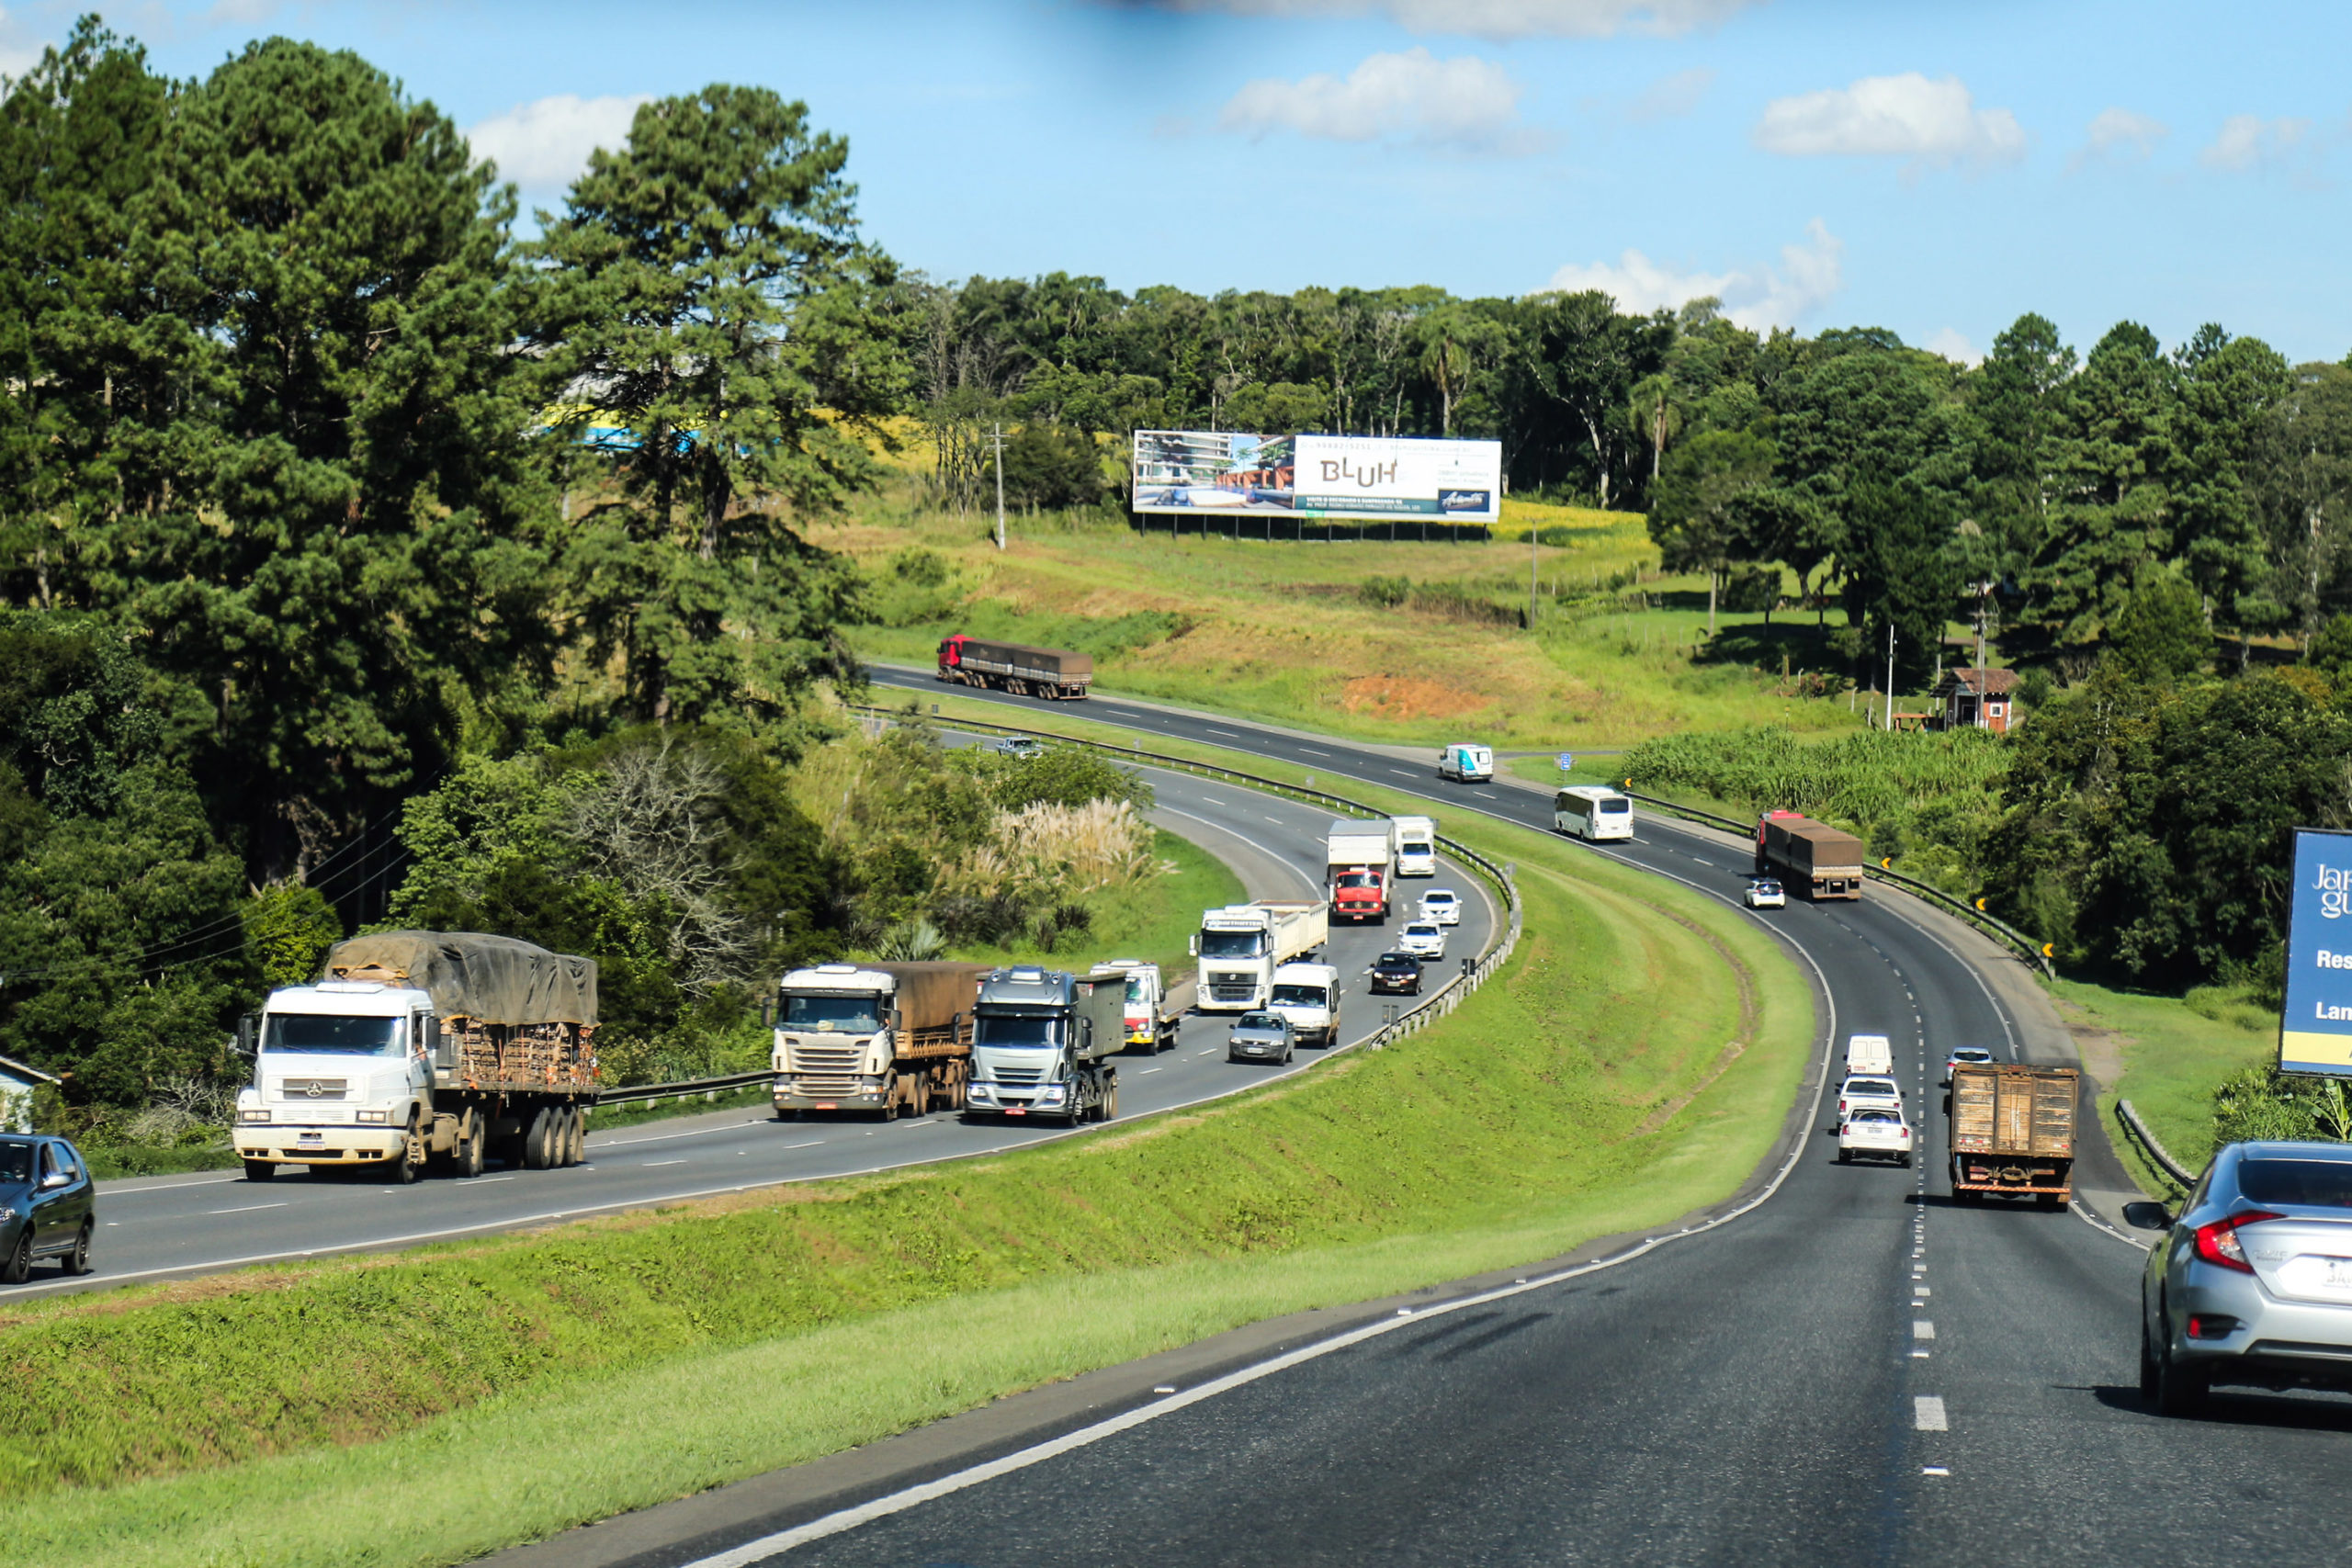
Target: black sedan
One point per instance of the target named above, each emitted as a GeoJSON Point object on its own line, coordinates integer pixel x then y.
{"type": "Point", "coordinates": [47, 1207]}
{"type": "Point", "coordinates": [1397, 973]}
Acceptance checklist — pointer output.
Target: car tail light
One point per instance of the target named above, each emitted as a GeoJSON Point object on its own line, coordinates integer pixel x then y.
{"type": "Point", "coordinates": [2217, 1241]}
{"type": "Point", "coordinates": [2210, 1326]}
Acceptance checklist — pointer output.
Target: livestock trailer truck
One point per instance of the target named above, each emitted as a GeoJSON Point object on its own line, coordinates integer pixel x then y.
{"type": "Point", "coordinates": [1051, 673]}
{"type": "Point", "coordinates": [417, 1046]}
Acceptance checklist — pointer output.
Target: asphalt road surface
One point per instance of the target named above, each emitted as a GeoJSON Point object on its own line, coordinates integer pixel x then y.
{"type": "Point", "coordinates": [1856, 1371]}
{"type": "Point", "coordinates": [174, 1226]}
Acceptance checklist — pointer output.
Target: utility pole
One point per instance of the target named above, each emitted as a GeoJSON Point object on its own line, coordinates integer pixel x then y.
{"type": "Point", "coordinates": [997, 440]}
{"type": "Point", "coordinates": [1535, 542]}
{"type": "Point", "coordinates": [1890, 676]}
{"type": "Point", "coordinates": [1981, 722]}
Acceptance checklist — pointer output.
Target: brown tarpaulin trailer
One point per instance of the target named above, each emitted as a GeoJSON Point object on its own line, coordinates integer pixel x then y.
{"type": "Point", "coordinates": [490, 979]}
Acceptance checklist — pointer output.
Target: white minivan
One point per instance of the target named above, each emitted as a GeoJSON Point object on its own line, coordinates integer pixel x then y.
{"type": "Point", "coordinates": [1465, 763]}
{"type": "Point", "coordinates": [1592, 811]}
{"type": "Point", "coordinates": [1870, 1054]}
{"type": "Point", "coordinates": [1308, 994]}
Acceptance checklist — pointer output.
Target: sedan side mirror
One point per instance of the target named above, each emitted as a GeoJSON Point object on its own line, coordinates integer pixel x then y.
{"type": "Point", "coordinates": [55, 1178]}
{"type": "Point", "coordinates": [2147, 1216]}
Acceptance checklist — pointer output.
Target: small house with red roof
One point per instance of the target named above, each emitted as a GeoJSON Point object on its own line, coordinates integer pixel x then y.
{"type": "Point", "coordinates": [1978, 699]}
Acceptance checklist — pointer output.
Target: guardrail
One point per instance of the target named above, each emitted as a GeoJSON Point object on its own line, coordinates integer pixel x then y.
{"type": "Point", "coordinates": [1991, 925]}
{"type": "Point", "coordinates": [686, 1089]}
{"type": "Point", "coordinates": [2157, 1154]}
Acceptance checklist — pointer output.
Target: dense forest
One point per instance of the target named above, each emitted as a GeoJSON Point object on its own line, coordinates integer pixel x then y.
{"type": "Point", "coordinates": [328, 596]}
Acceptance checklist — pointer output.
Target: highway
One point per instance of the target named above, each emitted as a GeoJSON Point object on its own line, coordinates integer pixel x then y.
{"type": "Point", "coordinates": [1855, 1371]}
{"type": "Point", "coordinates": [171, 1227]}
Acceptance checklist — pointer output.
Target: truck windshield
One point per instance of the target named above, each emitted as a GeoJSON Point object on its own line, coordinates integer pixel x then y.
{"type": "Point", "coordinates": [1233, 944]}
{"type": "Point", "coordinates": [1006, 1031]}
{"type": "Point", "coordinates": [325, 1033]}
{"type": "Point", "coordinates": [1298, 997]}
{"type": "Point", "coordinates": [1136, 989]}
{"type": "Point", "coordinates": [854, 1015]}
{"type": "Point", "coordinates": [1360, 879]}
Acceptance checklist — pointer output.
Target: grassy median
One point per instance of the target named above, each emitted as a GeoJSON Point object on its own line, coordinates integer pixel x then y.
{"type": "Point", "coordinates": [1634, 1061]}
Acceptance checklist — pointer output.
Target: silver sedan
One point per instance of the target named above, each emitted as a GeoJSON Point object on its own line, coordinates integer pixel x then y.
{"type": "Point", "coordinates": [2252, 1282]}
{"type": "Point", "coordinates": [1258, 1037]}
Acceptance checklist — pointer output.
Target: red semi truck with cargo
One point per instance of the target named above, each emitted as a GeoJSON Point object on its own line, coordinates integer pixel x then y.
{"type": "Point", "coordinates": [1051, 673]}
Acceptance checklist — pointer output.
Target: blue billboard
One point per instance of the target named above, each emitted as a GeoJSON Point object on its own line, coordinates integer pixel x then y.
{"type": "Point", "coordinates": [2315, 1035]}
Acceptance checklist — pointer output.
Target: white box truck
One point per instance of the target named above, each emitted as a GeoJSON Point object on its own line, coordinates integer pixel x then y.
{"type": "Point", "coordinates": [1465, 763]}
{"type": "Point", "coordinates": [1361, 860]}
{"type": "Point", "coordinates": [1416, 839]}
{"type": "Point", "coordinates": [1241, 945]}
{"type": "Point", "coordinates": [1308, 994]}
{"type": "Point", "coordinates": [420, 1044]}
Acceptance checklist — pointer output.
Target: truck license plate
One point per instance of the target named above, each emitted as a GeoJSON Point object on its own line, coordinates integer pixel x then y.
{"type": "Point", "coordinates": [312, 1138]}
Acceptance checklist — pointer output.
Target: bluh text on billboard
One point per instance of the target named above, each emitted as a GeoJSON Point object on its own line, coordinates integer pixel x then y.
{"type": "Point", "coordinates": [2316, 1033]}
{"type": "Point", "coordinates": [1368, 478]}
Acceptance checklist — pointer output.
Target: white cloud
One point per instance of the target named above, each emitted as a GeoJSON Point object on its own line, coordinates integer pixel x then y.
{"type": "Point", "coordinates": [2248, 140]}
{"type": "Point", "coordinates": [1809, 274]}
{"type": "Point", "coordinates": [1900, 116]}
{"type": "Point", "coordinates": [2120, 132]}
{"type": "Point", "coordinates": [1954, 346]}
{"type": "Point", "coordinates": [1672, 95]}
{"type": "Point", "coordinates": [546, 141]}
{"type": "Point", "coordinates": [1499, 19]}
{"type": "Point", "coordinates": [1466, 103]}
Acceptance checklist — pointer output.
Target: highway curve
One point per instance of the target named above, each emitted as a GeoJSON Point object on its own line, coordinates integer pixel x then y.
{"type": "Point", "coordinates": [1855, 1372]}
{"type": "Point", "coordinates": [169, 1227]}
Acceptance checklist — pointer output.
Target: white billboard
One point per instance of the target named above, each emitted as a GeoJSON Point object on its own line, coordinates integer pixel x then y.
{"type": "Point", "coordinates": [1372, 478]}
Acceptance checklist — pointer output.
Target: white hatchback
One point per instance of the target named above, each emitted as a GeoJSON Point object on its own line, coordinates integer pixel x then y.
{"type": "Point", "coordinates": [1441, 905]}
{"type": "Point", "coordinates": [1875, 1132]}
{"type": "Point", "coordinates": [1766, 894]}
{"type": "Point", "coordinates": [1424, 940]}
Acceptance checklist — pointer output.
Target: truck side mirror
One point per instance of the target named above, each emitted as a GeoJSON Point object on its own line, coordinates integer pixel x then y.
{"type": "Point", "coordinates": [1193, 944]}
{"type": "Point", "coordinates": [245, 1035]}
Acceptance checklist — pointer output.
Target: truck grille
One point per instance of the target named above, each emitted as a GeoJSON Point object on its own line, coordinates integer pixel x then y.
{"type": "Point", "coordinates": [845, 1057]}
{"type": "Point", "coordinates": [828, 1086]}
{"type": "Point", "coordinates": [1019, 1074]}
{"type": "Point", "coordinates": [312, 1088]}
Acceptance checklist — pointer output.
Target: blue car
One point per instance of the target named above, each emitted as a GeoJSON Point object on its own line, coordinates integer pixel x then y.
{"type": "Point", "coordinates": [48, 1208]}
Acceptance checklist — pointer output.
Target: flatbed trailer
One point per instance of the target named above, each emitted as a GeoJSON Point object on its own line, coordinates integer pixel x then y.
{"type": "Point", "coordinates": [1054, 673]}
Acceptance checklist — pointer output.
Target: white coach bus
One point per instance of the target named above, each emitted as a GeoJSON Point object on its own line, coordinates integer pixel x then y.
{"type": "Point", "coordinates": [1590, 811]}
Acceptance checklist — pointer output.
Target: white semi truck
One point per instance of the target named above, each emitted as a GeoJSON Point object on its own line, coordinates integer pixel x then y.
{"type": "Point", "coordinates": [1040, 1043]}
{"type": "Point", "coordinates": [885, 1038]}
{"type": "Point", "coordinates": [1415, 840]}
{"type": "Point", "coordinates": [414, 1045]}
{"type": "Point", "coordinates": [1241, 945]}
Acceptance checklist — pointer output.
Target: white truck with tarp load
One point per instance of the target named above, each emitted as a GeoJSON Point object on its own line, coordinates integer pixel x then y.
{"type": "Point", "coordinates": [885, 1038]}
{"type": "Point", "coordinates": [418, 1046]}
{"type": "Point", "coordinates": [1241, 945]}
{"type": "Point", "coordinates": [1041, 1039]}
{"type": "Point", "coordinates": [1416, 842]}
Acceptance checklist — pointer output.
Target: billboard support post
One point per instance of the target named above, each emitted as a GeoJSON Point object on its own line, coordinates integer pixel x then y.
{"type": "Point", "coordinates": [2316, 1017]}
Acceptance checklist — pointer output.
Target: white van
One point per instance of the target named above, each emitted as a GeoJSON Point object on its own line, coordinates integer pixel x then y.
{"type": "Point", "coordinates": [1308, 994]}
{"type": "Point", "coordinates": [1415, 840]}
{"type": "Point", "coordinates": [1593, 811]}
{"type": "Point", "coordinates": [1870, 1054]}
{"type": "Point", "coordinates": [1465, 763]}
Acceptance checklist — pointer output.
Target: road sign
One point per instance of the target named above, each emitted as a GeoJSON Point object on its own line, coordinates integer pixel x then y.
{"type": "Point", "coordinates": [1567, 761]}
{"type": "Point", "coordinates": [2316, 1033]}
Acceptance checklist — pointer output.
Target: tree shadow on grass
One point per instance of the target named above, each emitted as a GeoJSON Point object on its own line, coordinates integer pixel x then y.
{"type": "Point", "coordinates": [1807, 647]}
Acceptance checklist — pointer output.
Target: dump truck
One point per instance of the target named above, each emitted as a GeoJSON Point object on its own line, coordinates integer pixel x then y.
{"type": "Point", "coordinates": [1054, 673]}
{"type": "Point", "coordinates": [415, 1046]}
{"type": "Point", "coordinates": [884, 1038]}
{"type": "Point", "coordinates": [2012, 1132]}
{"type": "Point", "coordinates": [1040, 1043]}
{"type": "Point", "coordinates": [1811, 858]}
{"type": "Point", "coordinates": [1152, 1019]}
{"type": "Point", "coordinates": [1359, 860]}
{"type": "Point", "coordinates": [1241, 945]}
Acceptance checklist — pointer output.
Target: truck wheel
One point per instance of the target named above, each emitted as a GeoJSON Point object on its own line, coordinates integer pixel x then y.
{"type": "Point", "coordinates": [468, 1161]}
{"type": "Point", "coordinates": [889, 1110]}
{"type": "Point", "coordinates": [261, 1169]}
{"type": "Point", "coordinates": [921, 1106]}
{"type": "Point", "coordinates": [537, 1139]}
{"type": "Point", "coordinates": [409, 1164]}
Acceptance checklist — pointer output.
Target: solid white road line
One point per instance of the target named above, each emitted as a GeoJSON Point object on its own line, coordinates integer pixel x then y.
{"type": "Point", "coordinates": [1927, 1415]}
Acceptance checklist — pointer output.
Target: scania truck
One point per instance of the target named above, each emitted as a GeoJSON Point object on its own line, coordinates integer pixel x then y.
{"type": "Point", "coordinates": [884, 1038]}
{"type": "Point", "coordinates": [417, 1046]}
{"type": "Point", "coordinates": [1241, 945]}
{"type": "Point", "coordinates": [1040, 1043]}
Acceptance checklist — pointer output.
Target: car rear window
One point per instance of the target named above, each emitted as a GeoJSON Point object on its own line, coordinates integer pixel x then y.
{"type": "Point", "coordinates": [1874, 1116]}
{"type": "Point", "coordinates": [2320, 1183]}
{"type": "Point", "coordinates": [1869, 1086]}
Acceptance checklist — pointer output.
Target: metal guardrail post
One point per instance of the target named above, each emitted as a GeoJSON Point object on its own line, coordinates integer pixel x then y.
{"type": "Point", "coordinates": [2156, 1151]}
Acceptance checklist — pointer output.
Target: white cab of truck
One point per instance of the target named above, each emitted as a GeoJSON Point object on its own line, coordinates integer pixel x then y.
{"type": "Point", "coordinates": [1152, 1023]}
{"type": "Point", "coordinates": [1465, 763]}
{"type": "Point", "coordinates": [1416, 839]}
{"type": "Point", "coordinates": [1241, 945]}
{"type": "Point", "coordinates": [1870, 1054]}
{"type": "Point", "coordinates": [342, 1071]}
{"type": "Point", "coordinates": [1308, 994]}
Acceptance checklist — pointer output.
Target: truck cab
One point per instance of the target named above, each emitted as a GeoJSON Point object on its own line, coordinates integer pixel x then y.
{"type": "Point", "coordinates": [344, 1073]}
{"type": "Point", "coordinates": [1038, 1040]}
{"type": "Point", "coordinates": [1150, 1023]}
{"type": "Point", "coordinates": [884, 1038]}
{"type": "Point", "coordinates": [1308, 994]}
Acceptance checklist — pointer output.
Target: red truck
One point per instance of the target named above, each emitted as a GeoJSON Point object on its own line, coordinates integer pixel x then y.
{"type": "Point", "coordinates": [1361, 862]}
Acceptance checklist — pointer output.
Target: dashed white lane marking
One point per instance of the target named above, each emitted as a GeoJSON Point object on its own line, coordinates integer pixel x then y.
{"type": "Point", "coordinates": [1313, 753]}
{"type": "Point", "coordinates": [247, 1209]}
{"type": "Point", "coordinates": [1403, 774]}
{"type": "Point", "coordinates": [1275, 820]}
{"type": "Point", "coordinates": [1922, 1329]}
{"type": "Point", "coordinates": [1935, 1470]}
{"type": "Point", "coordinates": [809, 1145]}
{"type": "Point", "coordinates": [1212, 800]}
{"type": "Point", "coordinates": [1151, 1070]}
{"type": "Point", "coordinates": [1927, 1413]}
{"type": "Point", "coordinates": [651, 1164]}
{"type": "Point", "coordinates": [1919, 1291]}
{"type": "Point", "coordinates": [1228, 734]}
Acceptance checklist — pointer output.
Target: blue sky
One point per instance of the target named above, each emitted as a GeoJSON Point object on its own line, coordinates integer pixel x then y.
{"type": "Point", "coordinates": [1938, 168]}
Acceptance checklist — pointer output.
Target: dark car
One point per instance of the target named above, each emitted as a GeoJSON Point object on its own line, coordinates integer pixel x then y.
{"type": "Point", "coordinates": [1398, 973]}
{"type": "Point", "coordinates": [47, 1206]}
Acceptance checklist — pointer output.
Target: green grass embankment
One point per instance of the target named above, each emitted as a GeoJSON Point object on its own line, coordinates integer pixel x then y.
{"type": "Point", "coordinates": [1634, 1061]}
{"type": "Point", "coordinates": [2171, 1051]}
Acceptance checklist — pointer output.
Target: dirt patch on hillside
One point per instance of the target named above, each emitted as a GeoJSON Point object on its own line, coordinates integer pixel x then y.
{"type": "Point", "coordinates": [1402, 697]}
